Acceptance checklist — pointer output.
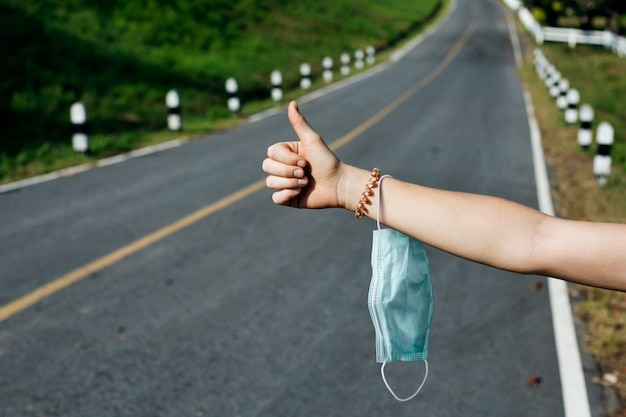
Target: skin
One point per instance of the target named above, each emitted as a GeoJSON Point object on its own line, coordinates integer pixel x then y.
{"type": "Point", "coordinates": [488, 230]}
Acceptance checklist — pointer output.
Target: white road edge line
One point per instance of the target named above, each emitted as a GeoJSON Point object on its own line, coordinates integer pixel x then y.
{"type": "Point", "coordinates": [573, 386]}
{"type": "Point", "coordinates": [517, 49]}
{"type": "Point", "coordinates": [71, 171]}
{"type": "Point", "coordinates": [575, 399]}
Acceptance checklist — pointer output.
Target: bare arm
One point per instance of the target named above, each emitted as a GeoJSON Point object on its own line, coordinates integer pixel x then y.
{"type": "Point", "coordinates": [499, 233]}
{"type": "Point", "coordinates": [489, 230]}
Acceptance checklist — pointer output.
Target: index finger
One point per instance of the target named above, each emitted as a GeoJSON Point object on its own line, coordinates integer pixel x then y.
{"type": "Point", "coordinates": [286, 153]}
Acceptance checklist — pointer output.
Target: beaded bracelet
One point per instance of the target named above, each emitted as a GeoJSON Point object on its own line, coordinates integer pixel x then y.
{"type": "Point", "coordinates": [360, 211]}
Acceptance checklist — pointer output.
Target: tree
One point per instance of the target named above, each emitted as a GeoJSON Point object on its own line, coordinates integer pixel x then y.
{"type": "Point", "coordinates": [586, 10]}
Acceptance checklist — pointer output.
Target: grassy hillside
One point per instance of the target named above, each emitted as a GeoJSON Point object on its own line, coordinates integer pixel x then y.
{"type": "Point", "coordinates": [121, 57]}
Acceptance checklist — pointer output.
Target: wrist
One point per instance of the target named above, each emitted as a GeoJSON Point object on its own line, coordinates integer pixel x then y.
{"type": "Point", "coordinates": [350, 186]}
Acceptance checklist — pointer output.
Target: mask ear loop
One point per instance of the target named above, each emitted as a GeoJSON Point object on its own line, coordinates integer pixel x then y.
{"type": "Point", "coordinates": [382, 368]}
{"type": "Point", "coordinates": [380, 191]}
{"type": "Point", "coordinates": [382, 372]}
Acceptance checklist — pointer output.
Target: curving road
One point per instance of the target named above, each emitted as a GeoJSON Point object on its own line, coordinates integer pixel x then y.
{"type": "Point", "coordinates": [248, 309]}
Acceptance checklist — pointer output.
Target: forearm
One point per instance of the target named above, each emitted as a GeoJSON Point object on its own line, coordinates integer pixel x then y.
{"type": "Point", "coordinates": [498, 232]}
{"type": "Point", "coordinates": [480, 228]}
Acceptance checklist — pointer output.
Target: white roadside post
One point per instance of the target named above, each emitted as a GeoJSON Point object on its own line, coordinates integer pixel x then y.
{"type": "Point", "coordinates": [561, 100]}
{"type": "Point", "coordinates": [541, 64]}
{"type": "Point", "coordinates": [78, 117]}
{"type": "Point", "coordinates": [571, 114]}
{"type": "Point", "coordinates": [553, 84]}
{"type": "Point", "coordinates": [277, 85]}
{"type": "Point", "coordinates": [370, 51]}
{"type": "Point", "coordinates": [571, 38]}
{"type": "Point", "coordinates": [585, 134]}
{"type": "Point", "coordinates": [232, 89]}
{"type": "Point", "coordinates": [174, 119]}
{"type": "Point", "coordinates": [602, 160]}
{"type": "Point", "coordinates": [547, 74]}
{"type": "Point", "coordinates": [359, 56]}
{"type": "Point", "coordinates": [546, 71]}
{"type": "Point", "coordinates": [327, 64]}
{"type": "Point", "coordinates": [345, 64]}
{"type": "Point", "coordinates": [305, 76]}
{"type": "Point", "coordinates": [539, 36]}
{"type": "Point", "coordinates": [537, 62]}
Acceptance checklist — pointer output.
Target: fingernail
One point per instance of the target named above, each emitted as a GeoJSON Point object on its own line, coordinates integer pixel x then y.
{"type": "Point", "coordinates": [298, 173]}
{"type": "Point", "coordinates": [301, 163]}
{"type": "Point", "coordinates": [302, 181]}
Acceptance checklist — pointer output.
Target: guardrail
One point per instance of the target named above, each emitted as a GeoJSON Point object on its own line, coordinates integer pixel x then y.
{"type": "Point", "coordinates": [571, 36]}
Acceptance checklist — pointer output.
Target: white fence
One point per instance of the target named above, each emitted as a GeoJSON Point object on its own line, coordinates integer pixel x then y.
{"type": "Point", "coordinates": [572, 36]}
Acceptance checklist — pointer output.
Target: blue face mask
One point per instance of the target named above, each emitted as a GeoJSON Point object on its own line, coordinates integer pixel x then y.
{"type": "Point", "coordinates": [400, 299]}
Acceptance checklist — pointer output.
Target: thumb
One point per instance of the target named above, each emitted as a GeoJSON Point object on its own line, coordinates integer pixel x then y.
{"type": "Point", "coordinates": [303, 129]}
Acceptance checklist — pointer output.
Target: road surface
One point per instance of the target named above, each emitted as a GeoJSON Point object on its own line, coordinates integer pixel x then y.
{"type": "Point", "coordinates": [248, 309]}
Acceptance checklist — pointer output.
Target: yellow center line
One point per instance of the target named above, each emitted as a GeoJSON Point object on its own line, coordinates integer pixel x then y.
{"type": "Point", "coordinates": [60, 283]}
{"type": "Point", "coordinates": [357, 131]}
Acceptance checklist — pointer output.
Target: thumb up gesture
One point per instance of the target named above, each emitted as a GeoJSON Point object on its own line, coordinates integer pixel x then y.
{"type": "Point", "coordinates": [304, 173]}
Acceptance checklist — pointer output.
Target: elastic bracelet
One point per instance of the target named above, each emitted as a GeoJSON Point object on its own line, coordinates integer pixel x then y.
{"type": "Point", "coordinates": [360, 211]}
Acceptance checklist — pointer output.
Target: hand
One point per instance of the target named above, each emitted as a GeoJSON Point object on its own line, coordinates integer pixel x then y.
{"type": "Point", "coordinates": [305, 173]}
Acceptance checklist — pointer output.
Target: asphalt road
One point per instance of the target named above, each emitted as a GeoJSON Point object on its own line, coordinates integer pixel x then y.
{"type": "Point", "coordinates": [258, 310]}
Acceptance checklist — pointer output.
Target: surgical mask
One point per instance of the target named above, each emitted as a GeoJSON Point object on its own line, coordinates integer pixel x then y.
{"type": "Point", "coordinates": [400, 298]}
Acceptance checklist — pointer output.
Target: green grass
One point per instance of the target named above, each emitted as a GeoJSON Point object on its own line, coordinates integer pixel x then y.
{"type": "Point", "coordinates": [120, 58]}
